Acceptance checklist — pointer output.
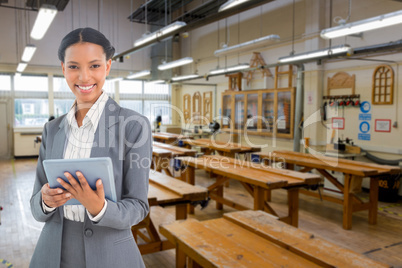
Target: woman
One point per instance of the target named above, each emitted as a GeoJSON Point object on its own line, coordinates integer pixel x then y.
{"type": "Point", "coordinates": [98, 232]}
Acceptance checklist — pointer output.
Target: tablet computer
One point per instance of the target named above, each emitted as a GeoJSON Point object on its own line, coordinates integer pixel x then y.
{"type": "Point", "coordinates": [92, 169]}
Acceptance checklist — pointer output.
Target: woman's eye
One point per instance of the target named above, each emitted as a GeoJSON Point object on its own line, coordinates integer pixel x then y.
{"type": "Point", "coordinates": [72, 67]}
{"type": "Point", "coordinates": [95, 66]}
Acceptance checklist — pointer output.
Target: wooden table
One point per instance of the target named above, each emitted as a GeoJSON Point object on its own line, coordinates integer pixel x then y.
{"type": "Point", "coordinates": [255, 178]}
{"type": "Point", "coordinates": [170, 138]}
{"type": "Point", "coordinates": [256, 239]}
{"type": "Point", "coordinates": [165, 191]}
{"type": "Point", "coordinates": [229, 149]}
{"type": "Point", "coordinates": [353, 171]}
{"type": "Point", "coordinates": [163, 153]}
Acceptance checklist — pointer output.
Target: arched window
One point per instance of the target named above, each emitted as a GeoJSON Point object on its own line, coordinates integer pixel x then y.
{"type": "Point", "coordinates": [383, 85]}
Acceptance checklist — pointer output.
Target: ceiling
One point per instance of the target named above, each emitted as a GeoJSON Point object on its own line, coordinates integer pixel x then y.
{"type": "Point", "coordinates": [36, 4]}
{"type": "Point", "coordinates": [155, 11]}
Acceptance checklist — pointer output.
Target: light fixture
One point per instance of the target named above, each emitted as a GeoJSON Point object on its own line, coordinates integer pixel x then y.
{"type": "Point", "coordinates": [230, 69]}
{"type": "Point", "coordinates": [115, 79]}
{"type": "Point", "coordinates": [28, 53]}
{"type": "Point", "coordinates": [159, 33]}
{"type": "Point", "coordinates": [139, 74]}
{"type": "Point", "coordinates": [317, 54]}
{"type": "Point", "coordinates": [230, 4]}
{"type": "Point", "coordinates": [185, 77]}
{"type": "Point", "coordinates": [21, 66]}
{"type": "Point", "coordinates": [363, 25]}
{"type": "Point", "coordinates": [176, 63]}
{"type": "Point", "coordinates": [155, 82]}
{"type": "Point", "coordinates": [43, 20]}
{"type": "Point", "coordinates": [256, 43]}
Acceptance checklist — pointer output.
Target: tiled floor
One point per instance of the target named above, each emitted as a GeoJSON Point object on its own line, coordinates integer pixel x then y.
{"type": "Point", "coordinates": [19, 231]}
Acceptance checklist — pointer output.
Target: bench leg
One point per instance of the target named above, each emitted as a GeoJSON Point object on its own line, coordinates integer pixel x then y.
{"type": "Point", "coordinates": [259, 198]}
{"type": "Point", "coordinates": [373, 200]}
{"type": "Point", "coordinates": [347, 203]}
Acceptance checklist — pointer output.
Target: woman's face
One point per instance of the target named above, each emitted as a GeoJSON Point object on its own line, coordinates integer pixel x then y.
{"type": "Point", "coordinates": [85, 69]}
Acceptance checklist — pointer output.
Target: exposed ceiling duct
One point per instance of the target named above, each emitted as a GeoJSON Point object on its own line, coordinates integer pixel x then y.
{"type": "Point", "coordinates": [36, 4]}
{"type": "Point", "coordinates": [202, 15]}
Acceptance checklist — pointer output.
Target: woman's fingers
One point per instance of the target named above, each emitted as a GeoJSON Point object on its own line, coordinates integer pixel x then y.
{"type": "Point", "coordinates": [83, 181]}
{"type": "Point", "coordinates": [54, 197]}
{"type": "Point", "coordinates": [100, 191]}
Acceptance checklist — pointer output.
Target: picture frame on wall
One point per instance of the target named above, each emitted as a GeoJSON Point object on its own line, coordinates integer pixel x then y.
{"type": "Point", "coordinates": [338, 123]}
{"type": "Point", "coordinates": [382, 125]}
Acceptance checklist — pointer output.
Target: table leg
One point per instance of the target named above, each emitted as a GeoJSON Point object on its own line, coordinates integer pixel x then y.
{"type": "Point", "coordinates": [293, 206]}
{"type": "Point", "coordinates": [180, 258]}
{"type": "Point", "coordinates": [373, 200]}
{"type": "Point", "coordinates": [181, 214]}
{"type": "Point", "coordinates": [219, 192]}
{"type": "Point", "coordinates": [259, 198]}
{"type": "Point", "coordinates": [190, 178]}
{"type": "Point", "coordinates": [347, 203]}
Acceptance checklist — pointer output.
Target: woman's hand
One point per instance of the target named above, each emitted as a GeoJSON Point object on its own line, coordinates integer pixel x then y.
{"type": "Point", "coordinates": [92, 200]}
{"type": "Point", "coordinates": [54, 198]}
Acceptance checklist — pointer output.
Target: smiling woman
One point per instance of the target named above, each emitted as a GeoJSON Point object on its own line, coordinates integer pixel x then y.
{"type": "Point", "coordinates": [96, 233]}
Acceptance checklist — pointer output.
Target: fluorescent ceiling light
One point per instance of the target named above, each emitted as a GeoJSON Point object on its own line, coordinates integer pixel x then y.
{"type": "Point", "coordinates": [256, 43]}
{"type": "Point", "coordinates": [155, 82]}
{"type": "Point", "coordinates": [363, 25]}
{"type": "Point", "coordinates": [28, 53]}
{"type": "Point", "coordinates": [43, 20]}
{"type": "Point", "coordinates": [176, 63]}
{"type": "Point", "coordinates": [159, 33]}
{"type": "Point", "coordinates": [185, 77]}
{"type": "Point", "coordinates": [338, 50]}
{"type": "Point", "coordinates": [115, 79]}
{"type": "Point", "coordinates": [139, 74]}
{"type": "Point", "coordinates": [21, 66]}
{"type": "Point", "coordinates": [231, 3]}
{"type": "Point", "coordinates": [230, 69]}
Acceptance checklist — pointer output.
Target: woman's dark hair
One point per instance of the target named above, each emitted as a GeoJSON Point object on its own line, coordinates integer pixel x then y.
{"type": "Point", "coordinates": [83, 35]}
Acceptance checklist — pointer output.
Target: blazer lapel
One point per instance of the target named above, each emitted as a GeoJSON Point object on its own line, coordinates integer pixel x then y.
{"type": "Point", "coordinates": [59, 140]}
{"type": "Point", "coordinates": [104, 134]}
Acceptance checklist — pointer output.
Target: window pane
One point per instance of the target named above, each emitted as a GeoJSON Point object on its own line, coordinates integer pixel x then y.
{"type": "Point", "coordinates": [60, 85]}
{"type": "Point", "coordinates": [154, 108]}
{"type": "Point", "coordinates": [135, 105]}
{"type": "Point", "coordinates": [156, 89]}
{"type": "Point", "coordinates": [31, 83]}
{"type": "Point", "coordinates": [108, 87]}
{"type": "Point", "coordinates": [62, 106]}
{"type": "Point", "coordinates": [283, 122]}
{"type": "Point", "coordinates": [5, 82]}
{"type": "Point", "coordinates": [31, 112]}
{"type": "Point", "coordinates": [134, 87]}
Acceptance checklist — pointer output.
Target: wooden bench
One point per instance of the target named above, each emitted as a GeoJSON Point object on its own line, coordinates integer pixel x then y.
{"type": "Point", "coordinates": [169, 138]}
{"type": "Point", "coordinates": [255, 239]}
{"type": "Point", "coordinates": [165, 191]}
{"type": "Point", "coordinates": [255, 178]}
{"type": "Point", "coordinates": [162, 154]}
{"type": "Point", "coordinates": [353, 171]}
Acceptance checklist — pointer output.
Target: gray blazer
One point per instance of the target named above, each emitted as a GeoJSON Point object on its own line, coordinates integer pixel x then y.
{"type": "Point", "coordinates": [125, 137]}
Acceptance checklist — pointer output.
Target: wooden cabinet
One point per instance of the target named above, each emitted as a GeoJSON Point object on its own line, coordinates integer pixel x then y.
{"type": "Point", "coordinates": [267, 112]}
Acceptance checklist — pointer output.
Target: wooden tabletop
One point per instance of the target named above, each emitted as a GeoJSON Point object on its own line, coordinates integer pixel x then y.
{"type": "Point", "coordinates": [175, 149]}
{"type": "Point", "coordinates": [252, 173]}
{"type": "Point", "coordinates": [256, 239]}
{"type": "Point", "coordinates": [330, 163]}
